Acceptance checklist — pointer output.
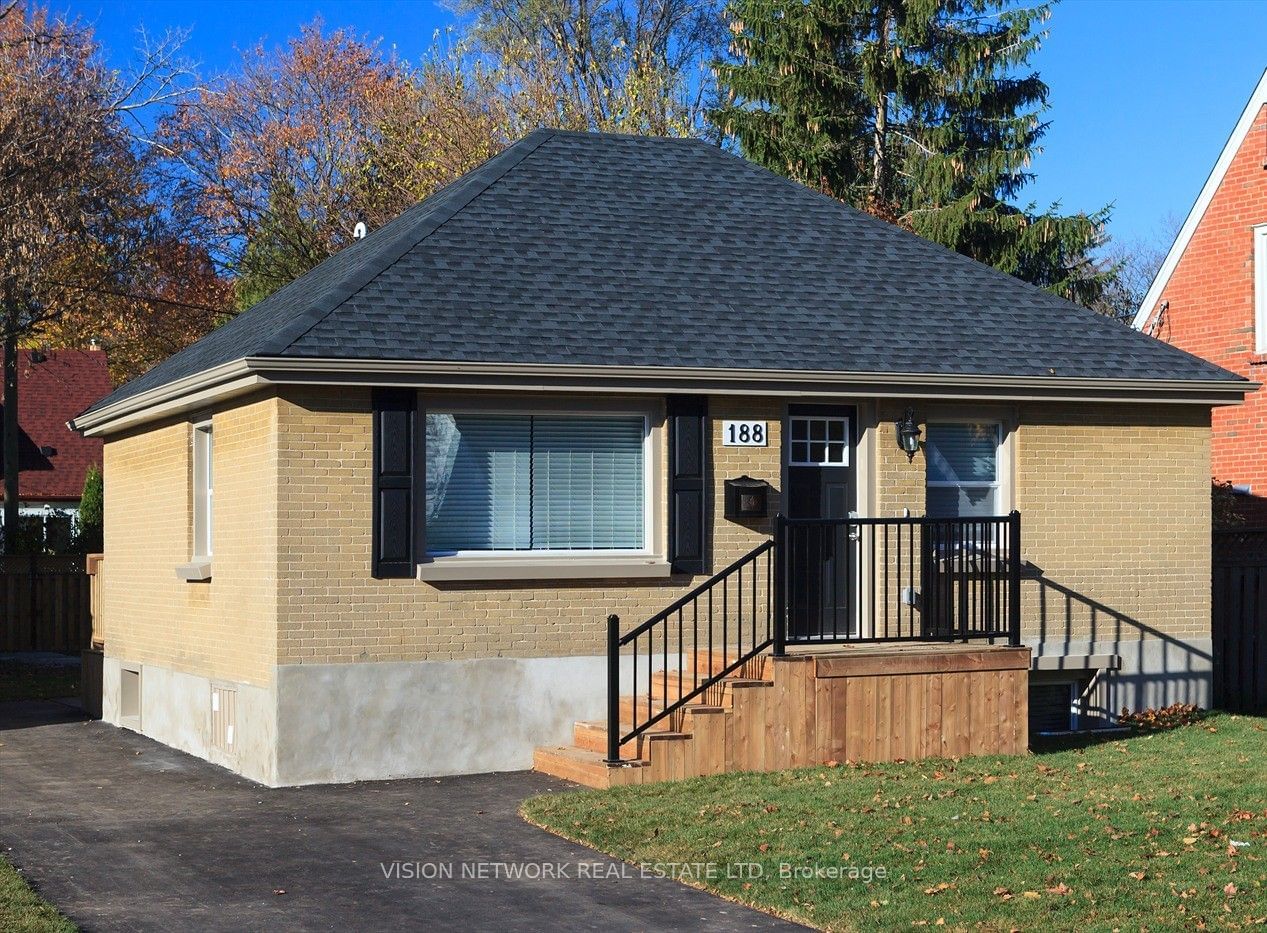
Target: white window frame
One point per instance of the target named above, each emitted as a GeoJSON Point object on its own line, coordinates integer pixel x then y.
{"type": "Point", "coordinates": [651, 465]}
{"type": "Point", "coordinates": [1000, 440]}
{"type": "Point", "coordinates": [1260, 288]}
{"type": "Point", "coordinates": [791, 442]}
{"type": "Point", "coordinates": [203, 446]}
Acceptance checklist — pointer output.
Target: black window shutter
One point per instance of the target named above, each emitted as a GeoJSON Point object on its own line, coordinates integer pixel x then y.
{"type": "Point", "coordinates": [399, 533]}
{"type": "Point", "coordinates": [688, 475]}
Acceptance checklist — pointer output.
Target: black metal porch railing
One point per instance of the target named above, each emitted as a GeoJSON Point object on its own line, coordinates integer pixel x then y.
{"type": "Point", "coordinates": [721, 624]}
{"type": "Point", "coordinates": [898, 579]}
{"type": "Point", "coordinates": [818, 581]}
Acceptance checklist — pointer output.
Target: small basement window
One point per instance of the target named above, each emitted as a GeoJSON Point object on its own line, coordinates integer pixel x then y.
{"type": "Point", "coordinates": [130, 697]}
{"type": "Point", "coordinates": [1053, 706]}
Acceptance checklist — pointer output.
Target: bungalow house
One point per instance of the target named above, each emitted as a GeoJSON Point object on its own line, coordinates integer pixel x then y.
{"type": "Point", "coordinates": [1210, 298]}
{"type": "Point", "coordinates": [54, 385]}
{"type": "Point", "coordinates": [611, 425]}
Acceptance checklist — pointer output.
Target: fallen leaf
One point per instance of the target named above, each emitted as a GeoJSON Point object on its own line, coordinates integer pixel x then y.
{"type": "Point", "coordinates": [1032, 895]}
{"type": "Point", "coordinates": [1189, 840]}
{"type": "Point", "coordinates": [1139, 875]}
{"type": "Point", "coordinates": [764, 847]}
{"type": "Point", "coordinates": [1229, 889]}
{"type": "Point", "coordinates": [1061, 888]}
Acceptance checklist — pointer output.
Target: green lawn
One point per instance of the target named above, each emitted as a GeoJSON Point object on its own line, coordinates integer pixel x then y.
{"type": "Point", "coordinates": [1126, 834]}
{"type": "Point", "coordinates": [24, 680]}
{"type": "Point", "coordinates": [22, 910]}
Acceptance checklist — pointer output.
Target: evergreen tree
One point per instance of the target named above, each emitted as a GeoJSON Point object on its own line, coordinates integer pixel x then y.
{"type": "Point", "coordinates": [920, 111]}
{"type": "Point", "coordinates": [91, 513]}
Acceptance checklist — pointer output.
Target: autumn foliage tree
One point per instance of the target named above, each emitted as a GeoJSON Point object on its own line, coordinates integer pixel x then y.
{"type": "Point", "coordinates": [276, 164]}
{"type": "Point", "coordinates": [73, 206]}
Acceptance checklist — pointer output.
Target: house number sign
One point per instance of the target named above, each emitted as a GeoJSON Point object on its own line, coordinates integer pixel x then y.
{"type": "Point", "coordinates": [744, 434]}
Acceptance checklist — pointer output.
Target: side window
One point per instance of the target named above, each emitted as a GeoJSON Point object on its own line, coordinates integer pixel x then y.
{"type": "Point", "coordinates": [1260, 288]}
{"type": "Point", "coordinates": [963, 469]}
{"type": "Point", "coordinates": [203, 489]}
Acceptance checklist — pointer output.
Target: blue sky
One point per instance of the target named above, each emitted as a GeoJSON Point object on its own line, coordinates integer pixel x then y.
{"type": "Point", "coordinates": [1143, 92]}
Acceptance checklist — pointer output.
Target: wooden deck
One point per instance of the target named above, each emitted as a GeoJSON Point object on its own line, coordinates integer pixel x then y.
{"type": "Point", "coordinates": [829, 703]}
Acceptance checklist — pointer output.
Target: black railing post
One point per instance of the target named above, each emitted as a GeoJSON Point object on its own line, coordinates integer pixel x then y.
{"type": "Point", "coordinates": [780, 586]}
{"type": "Point", "coordinates": [613, 689]}
{"type": "Point", "coordinates": [1014, 578]}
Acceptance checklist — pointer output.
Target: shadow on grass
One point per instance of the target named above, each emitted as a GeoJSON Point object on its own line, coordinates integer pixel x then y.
{"type": "Point", "coordinates": [1051, 744]}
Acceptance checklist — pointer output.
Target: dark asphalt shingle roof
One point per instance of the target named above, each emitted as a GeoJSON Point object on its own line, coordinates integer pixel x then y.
{"type": "Point", "coordinates": [573, 248]}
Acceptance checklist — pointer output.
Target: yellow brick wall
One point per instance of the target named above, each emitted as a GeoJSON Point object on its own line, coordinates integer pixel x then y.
{"type": "Point", "coordinates": [332, 610]}
{"type": "Point", "coordinates": [1114, 498]}
{"type": "Point", "coordinates": [1115, 512]}
{"type": "Point", "coordinates": [225, 628]}
{"type": "Point", "coordinates": [1115, 505]}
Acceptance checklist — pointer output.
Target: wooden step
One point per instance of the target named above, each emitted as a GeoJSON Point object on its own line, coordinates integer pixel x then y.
{"type": "Point", "coordinates": [636, 709]}
{"type": "Point", "coordinates": [582, 766]}
{"type": "Point", "coordinates": [714, 662]}
{"type": "Point", "coordinates": [677, 686]}
{"type": "Point", "coordinates": [593, 735]}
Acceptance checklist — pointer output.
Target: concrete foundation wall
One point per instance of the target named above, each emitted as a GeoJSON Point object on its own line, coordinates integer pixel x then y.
{"type": "Point", "coordinates": [175, 709]}
{"type": "Point", "coordinates": [1153, 672]}
{"type": "Point", "coordinates": [350, 722]}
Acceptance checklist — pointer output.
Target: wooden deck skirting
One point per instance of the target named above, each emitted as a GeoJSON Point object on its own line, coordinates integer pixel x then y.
{"type": "Point", "coordinates": [858, 703]}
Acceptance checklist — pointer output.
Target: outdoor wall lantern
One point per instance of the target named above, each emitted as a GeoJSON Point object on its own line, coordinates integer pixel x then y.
{"type": "Point", "coordinates": [908, 433]}
{"type": "Point", "coordinates": [746, 498]}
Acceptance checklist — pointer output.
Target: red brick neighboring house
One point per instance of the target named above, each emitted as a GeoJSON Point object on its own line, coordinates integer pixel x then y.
{"type": "Point", "coordinates": [53, 387]}
{"type": "Point", "coordinates": [1210, 298]}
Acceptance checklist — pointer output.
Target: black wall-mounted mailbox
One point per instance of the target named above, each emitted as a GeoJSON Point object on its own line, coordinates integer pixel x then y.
{"type": "Point", "coordinates": [746, 498]}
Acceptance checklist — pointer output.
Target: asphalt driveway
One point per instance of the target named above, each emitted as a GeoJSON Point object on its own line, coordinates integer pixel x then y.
{"type": "Point", "coordinates": [122, 833]}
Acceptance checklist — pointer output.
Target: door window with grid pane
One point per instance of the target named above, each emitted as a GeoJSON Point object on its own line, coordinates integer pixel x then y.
{"type": "Point", "coordinates": [818, 441]}
{"type": "Point", "coordinates": [963, 469]}
{"type": "Point", "coordinates": [519, 482]}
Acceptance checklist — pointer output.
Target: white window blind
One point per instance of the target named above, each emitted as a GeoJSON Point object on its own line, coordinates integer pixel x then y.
{"type": "Point", "coordinates": [963, 469]}
{"type": "Point", "coordinates": [534, 482]}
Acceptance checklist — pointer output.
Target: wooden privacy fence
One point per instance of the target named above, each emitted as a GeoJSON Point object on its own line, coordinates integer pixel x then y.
{"type": "Point", "coordinates": [1239, 619]}
{"type": "Point", "coordinates": [45, 603]}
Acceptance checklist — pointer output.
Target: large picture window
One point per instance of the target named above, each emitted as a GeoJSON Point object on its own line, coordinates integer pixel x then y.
{"type": "Point", "coordinates": [963, 469]}
{"type": "Point", "coordinates": [535, 482]}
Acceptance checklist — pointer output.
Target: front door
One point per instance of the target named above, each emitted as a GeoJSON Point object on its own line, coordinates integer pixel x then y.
{"type": "Point", "coordinates": [819, 455]}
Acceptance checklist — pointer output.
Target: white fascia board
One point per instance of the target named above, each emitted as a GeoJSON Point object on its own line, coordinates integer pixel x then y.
{"type": "Point", "coordinates": [1193, 220]}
